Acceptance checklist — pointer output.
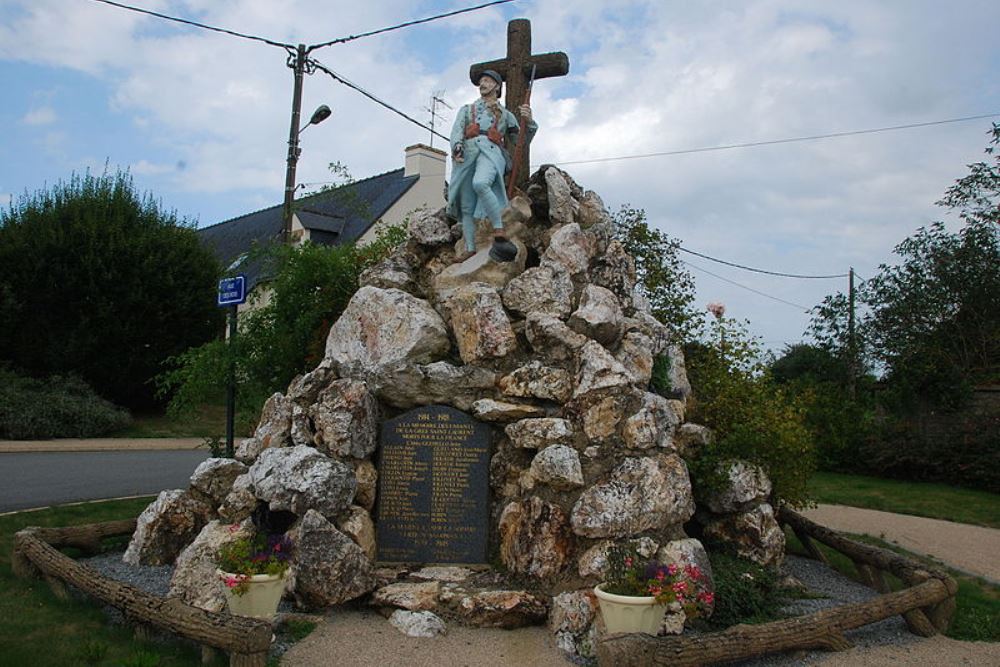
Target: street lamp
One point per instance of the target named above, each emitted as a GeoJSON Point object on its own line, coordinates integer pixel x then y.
{"type": "Point", "coordinates": [322, 113]}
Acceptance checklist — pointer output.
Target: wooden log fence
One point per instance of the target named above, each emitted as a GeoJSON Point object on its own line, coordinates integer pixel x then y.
{"type": "Point", "coordinates": [35, 554]}
{"type": "Point", "coordinates": [927, 605]}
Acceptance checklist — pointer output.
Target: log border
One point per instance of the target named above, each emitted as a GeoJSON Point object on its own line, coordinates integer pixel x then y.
{"type": "Point", "coordinates": [35, 554]}
{"type": "Point", "coordinates": [927, 605]}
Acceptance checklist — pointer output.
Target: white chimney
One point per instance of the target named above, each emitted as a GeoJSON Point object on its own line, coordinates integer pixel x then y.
{"type": "Point", "coordinates": [425, 162]}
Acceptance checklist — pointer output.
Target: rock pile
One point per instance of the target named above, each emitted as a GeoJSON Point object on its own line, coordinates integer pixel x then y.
{"type": "Point", "coordinates": [555, 350]}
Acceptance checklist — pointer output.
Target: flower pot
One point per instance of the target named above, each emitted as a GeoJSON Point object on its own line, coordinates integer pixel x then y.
{"type": "Point", "coordinates": [627, 613]}
{"type": "Point", "coordinates": [261, 598]}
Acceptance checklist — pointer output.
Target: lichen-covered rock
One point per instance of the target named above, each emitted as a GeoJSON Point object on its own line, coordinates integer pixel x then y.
{"type": "Point", "coordinates": [594, 561]}
{"type": "Point", "coordinates": [754, 534]}
{"type": "Point", "coordinates": [597, 369]}
{"type": "Point", "coordinates": [357, 524]}
{"type": "Point", "coordinates": [304, 389]}
{"type": "Point", "coordinates": [659, 335]}
{"type": "Point", "coordinates": [557, 466]}
{"type": "Point", "coordinates": [329, 567]}
{"type": "Point", "coordinates": [298, 479]}
{"type": "Point", "coordinates": [503, 609]}
{"type": "Point", "coordinates": [636, 354]}
{"type": "Point", "coordinates": [195, 579]}
{"type": "Point", "coordinates": [641, 494]}
{"type": "Point", "coordinates": [598, 316]}
{"type": "Point", "coordinates": [215, 476]}
{"type": "Point", "coordinates": [383, 326]}
{"type": "Point", "coordinates": [542, 289]}
{"type": "Point", "coordinates": [406, 385]}
{"type": "Point", "coordinates": [165, 527]}
{"type": "Point", "coordinates": [549, 336]}
{"type": "Point", "coordinates": [240, 503]}
{"type": "Point", "coordinates": [446, 573]}
{"type": "Point", "coordinates": [405, 595]}
{"type": "Point", "coordinates": [689, 438]}
{"type": "Point", "coordinates": [562, 205]}
{"type": "Point", "coordinates": [393, 272]}
{"type": "Point", "coordinates": [570, 248]}
{"type": "Point", "coordinates": [745, 485]}
{"type": "Point", "coordinates": [540, 433]}
{"type": "Point", "coordinates": [615, 270]}
{"type": "Point", "coordinates": [481, 326]}
{"type": "Point", "coordinates": [501, 411]}
{"type": "Point", "coordinates": [274, 429]}
{"type": "Point", "coordinates": [654, 424]}
{"type": "Point", "coordinates": [535, 380]}
{"type": "Point", "coordinates": [601, 418]}
{"type": "Point", "coordinates": [429, 228]}
{"type": "Point", "coordinates": [572, 616]}
{"type": "Point", "coordinates": [680, 387]}
{"type": "Point", "coordinates": [303, 432]}
{"type": "Point", "coordinates": [367, 480]}
{"type": "Point", "coordinates": [535, 538]}
{"type": "Point", "coordinates": [592, 211]}
{"type": "Point", "coordinates": [418, 623]}
{"type": "Point", "coordinates": [345, 417]}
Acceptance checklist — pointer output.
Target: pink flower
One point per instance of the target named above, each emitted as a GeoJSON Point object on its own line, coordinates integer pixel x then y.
{"type": "Point", "coordinates": [707, 597]}
{"type": "Point", "coordinates": [693, 571]}
{"type": "Point", "coordinates": [660, 575]}
{"type": "Point", "coordinates": [628, 562]}
{"type": "Point", "coordinates": [232, 582]}
{"type": "Point", "coordinates": [672, 569]}
{"type": "Point", "coordinates": [681, 587]}
{"type": "Point", "coordinates": [717, 309]}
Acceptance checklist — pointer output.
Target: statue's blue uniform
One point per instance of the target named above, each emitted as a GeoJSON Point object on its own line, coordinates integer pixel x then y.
{"type": "Point", "coordinates": [477, 188]}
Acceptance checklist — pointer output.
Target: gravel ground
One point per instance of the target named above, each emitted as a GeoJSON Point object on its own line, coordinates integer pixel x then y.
{"type": "Point", "coordinates": [371, 630]}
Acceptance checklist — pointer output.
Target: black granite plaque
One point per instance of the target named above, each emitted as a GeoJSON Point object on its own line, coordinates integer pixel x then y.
{"type": "Point", "coordinates": [433, 487]}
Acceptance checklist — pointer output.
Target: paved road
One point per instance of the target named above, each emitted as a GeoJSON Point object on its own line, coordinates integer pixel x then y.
{"type": "Point", "coordinates": [51, 478]}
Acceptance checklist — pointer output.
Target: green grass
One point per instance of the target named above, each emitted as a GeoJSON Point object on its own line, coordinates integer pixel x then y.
{"type": "Point", "coordinates": [977, 614]}
{"type": "Point", "coordinates": [206, 421]}
{"type": "Point", "coordinates": [927, 499]}
{"type": "Point", "coordinates": [41, 630]}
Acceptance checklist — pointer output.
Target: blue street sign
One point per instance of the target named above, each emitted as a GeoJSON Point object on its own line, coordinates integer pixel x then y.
{"type": "Point", "coordinates": [232, 290]}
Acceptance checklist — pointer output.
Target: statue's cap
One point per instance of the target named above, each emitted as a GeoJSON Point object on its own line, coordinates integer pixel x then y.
{"type": "Point", "coordinates": [493, 75]}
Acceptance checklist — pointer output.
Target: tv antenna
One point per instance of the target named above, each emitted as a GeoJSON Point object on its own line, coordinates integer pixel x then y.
{"type": "Point", "coordinates": [436, 99]}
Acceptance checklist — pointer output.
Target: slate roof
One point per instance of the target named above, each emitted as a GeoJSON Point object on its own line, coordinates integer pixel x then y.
{"type": "Point", "coordinates": [341, 215]}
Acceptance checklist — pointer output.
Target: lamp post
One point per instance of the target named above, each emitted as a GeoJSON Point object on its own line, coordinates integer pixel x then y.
{"type": "Point", "coordinates": [298, 63]}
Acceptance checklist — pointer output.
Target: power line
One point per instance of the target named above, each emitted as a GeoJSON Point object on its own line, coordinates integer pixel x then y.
{"type": "Point", "coordinates": [372, 97]}
{"type": "Point", "coordinates": [748, 268]}
{"type": "Point", "coordinates": [771, 142]}
{"type": "Point", "coordinates": [349, 38]}
{"type": "Point", "coordinates": [733, 282]}
{"type": "Point", "coordinates": [205, 26]}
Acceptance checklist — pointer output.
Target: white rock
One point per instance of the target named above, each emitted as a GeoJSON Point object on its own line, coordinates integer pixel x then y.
{"type": "Point", "coordinates": [654, 424]}
{"type": "Point", "coordinates": [329, 567]}
{"type": "Point", "coordinates": [535, 380]}
{"type": "Point", "coordinates": [417, 623]}
{"type": "Point", "coordinates": [165, 527]}
{"type": "Point", "coordinates": [549, 336]}
{"type": "Point", "coordinates": [570, 248]}
{"type": "Point", "coordinates": [346, 416]}
{"type": "Point", "coordinates": [562, 205]}
{"type": "Point", "coordinates": [481, 326]}
{"type": "Point", "coordinates": [598, 369]}
{"type": "Point", "coordinates": [599, 315]}
{"type": "Point", "coordinates": [411, 596]}
{"type": "Point", "coordinates": [558, 466]}
{"type": "Point", "coordinates": [746, 485]}
{"type": "Point", "coordinates": [298, 479]}
{"type": "Point", "coordinates": [542, 289]}
{"type": "Point", "coordinates": [357, 524]}
{"type": "Point", "coordinates": [540, 433]}
{"type": "Point", "coordinates": [501, 411]}
{"type": "Point", "coordinates": [195, 579]}
{"type": "Point", "coordinates": [215, 476]}
{"type": "Point", "coordinates": [406, 385]}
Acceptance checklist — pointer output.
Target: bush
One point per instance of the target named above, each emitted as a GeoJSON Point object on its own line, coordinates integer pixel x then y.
{"type": "Point", "coordinates": [752, 417]}
{"type": "Point", "coordinates": [745, 592]}
{"type": "Point", "coordinates": [99, 281]}
{"type": "Point", "coordinates": [58, 407]}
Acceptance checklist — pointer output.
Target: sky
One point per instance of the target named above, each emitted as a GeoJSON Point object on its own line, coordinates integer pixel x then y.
{"type": "Point", "coordinates": [201, 119]}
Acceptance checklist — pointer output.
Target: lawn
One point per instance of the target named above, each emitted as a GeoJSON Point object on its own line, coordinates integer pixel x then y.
{"type": "Point", "coordinates": [936, 501]}
{"type": "Point", "coordinates": [205, 422]}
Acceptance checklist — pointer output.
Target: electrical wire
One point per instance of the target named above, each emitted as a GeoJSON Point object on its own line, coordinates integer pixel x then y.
{"type": "Point", "coordinates": [749, 268]}
{"type": "Point", "coordinates": [205, 26]}
{"type": "Point", "coordinates": [771, 142]}
{"type": "Point", "coordinates": [755, 291]}
{"type": "Point", "coordinates": [372, 97]}
{"type": "Point", "coordinates": [349, 38]}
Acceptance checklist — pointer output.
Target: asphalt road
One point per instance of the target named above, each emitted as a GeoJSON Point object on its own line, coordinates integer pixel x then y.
{"type": "Point", "coordinates": [53, 478]}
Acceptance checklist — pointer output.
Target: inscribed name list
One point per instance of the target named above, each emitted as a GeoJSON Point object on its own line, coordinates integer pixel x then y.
{"type": "Point", "coordinates": [433, 487]}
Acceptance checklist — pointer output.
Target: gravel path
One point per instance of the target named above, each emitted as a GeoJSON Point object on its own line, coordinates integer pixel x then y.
{"type": "Point", "coordinates": [971, 549]}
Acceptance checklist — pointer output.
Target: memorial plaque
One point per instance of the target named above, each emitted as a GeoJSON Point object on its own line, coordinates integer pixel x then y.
{"type": "Point", "coordinates": [433, 487]}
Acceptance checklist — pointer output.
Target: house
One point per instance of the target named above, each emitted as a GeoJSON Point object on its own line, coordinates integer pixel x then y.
{"type": "Point", "coordinates": [350, 213]}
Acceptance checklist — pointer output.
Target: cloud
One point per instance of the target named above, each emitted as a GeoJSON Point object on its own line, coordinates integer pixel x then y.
{"type": "Point", "coordinates": [40, 116]}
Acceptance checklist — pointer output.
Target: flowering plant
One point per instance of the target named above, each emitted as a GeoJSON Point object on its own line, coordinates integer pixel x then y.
{"type": "Point", "coordinates": [257, 553]}
{"type": "Point", "coordinates": [632, 575]}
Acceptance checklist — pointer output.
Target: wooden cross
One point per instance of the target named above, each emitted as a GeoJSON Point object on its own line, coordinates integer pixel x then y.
{"type": "Point", "coordinates": [515, 70]}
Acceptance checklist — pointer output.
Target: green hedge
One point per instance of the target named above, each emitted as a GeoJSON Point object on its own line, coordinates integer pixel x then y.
{"type": "Point", "coordinates": [57, 407]}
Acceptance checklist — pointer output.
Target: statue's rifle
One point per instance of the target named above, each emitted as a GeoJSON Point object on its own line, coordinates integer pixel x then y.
{"type": "Point", "coordinates": [521, 138]}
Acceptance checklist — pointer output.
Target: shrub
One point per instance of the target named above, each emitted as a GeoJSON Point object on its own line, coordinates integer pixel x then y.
{"type": "Point", "coordinates": [745, 592]}
{"type": "Point", "coordinates": [57, 407]}
{"type": "Point", "coordinates": [752, 417]}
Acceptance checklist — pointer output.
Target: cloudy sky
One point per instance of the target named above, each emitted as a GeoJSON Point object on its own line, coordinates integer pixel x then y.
{"type": "Point", "coordinates": [201, 118]}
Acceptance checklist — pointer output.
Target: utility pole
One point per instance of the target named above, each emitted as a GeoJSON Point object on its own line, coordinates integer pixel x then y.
{"type": "Point", "coordinates": [298, 63]}
{"type": "Point", "coordinates": [852, 347]}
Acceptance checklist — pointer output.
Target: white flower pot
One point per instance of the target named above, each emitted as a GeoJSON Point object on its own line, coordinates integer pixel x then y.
{"type": "Point", "coordinates": [260, 600]}
{"type": "Point", "coordinates": [627, 613]}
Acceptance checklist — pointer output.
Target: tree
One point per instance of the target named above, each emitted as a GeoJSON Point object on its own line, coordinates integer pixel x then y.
{"type": "Point", "coordinates": [100, 281]}
{"type": "Point", "coordinates": [669, 286]}
{"type": "Point", "coordinates": [286, 334]}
